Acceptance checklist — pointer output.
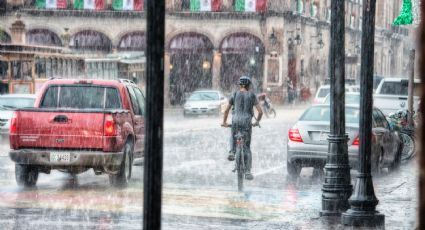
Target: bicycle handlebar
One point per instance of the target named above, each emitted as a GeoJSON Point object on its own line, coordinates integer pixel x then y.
{"type": "Point", "coordinates": [253, 125]}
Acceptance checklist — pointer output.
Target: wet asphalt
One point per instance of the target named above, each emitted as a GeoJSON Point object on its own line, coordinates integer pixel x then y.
{"type": "Point", "coordinates": [199, 187]}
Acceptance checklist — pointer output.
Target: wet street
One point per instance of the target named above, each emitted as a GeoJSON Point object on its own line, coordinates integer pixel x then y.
{"type": "Point", "coordinates": [200, 190]}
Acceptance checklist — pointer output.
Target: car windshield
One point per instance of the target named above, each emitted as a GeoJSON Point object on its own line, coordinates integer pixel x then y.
{"type": "Point", "coordinates": [398, 88]}
{"type": "Point", "coordinates": [323, 92]}
{"type": "Point", "coordinates": [81, 97]}
{"type": "Point", "coordinates": [349, 99]}
{"type": "Point", "coordinates": [322, 113]}
{"type": "Point", "coordinates": [16, 102]}
{"type": "Point", "coordinates": [203, 96]}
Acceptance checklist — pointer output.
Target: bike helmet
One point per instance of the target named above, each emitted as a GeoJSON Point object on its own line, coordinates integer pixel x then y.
{"type": "Point", "coordinates": [244, 80]}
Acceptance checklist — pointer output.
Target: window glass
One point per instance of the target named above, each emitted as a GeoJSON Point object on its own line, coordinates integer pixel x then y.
{"type": "Point", "coordinates": [320, 113]}
{"type": "Point", "coordinates": [140, 100]}
{"type": "Point", "coordinates": [81, 97]}
{"type": "Point", "coordinates": [134, 102]}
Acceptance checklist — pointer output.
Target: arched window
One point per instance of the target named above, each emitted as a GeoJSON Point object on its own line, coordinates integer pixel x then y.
{"type": "Point", "coordinates": [134, 41]}
{"type": "Point", "coordinates": [43, 37]}
{"type": "Point", "coordinates": [89, 40]}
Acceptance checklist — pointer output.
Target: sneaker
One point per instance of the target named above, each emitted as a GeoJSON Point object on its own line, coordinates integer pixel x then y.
{"type": "Point", "coordinates": [231, 157]}
{"type": "Point", "coordinates": [249, 176]}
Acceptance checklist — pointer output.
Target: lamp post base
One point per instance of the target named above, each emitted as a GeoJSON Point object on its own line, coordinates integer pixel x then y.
{"type": "Point", "coordinates": [363, 218]}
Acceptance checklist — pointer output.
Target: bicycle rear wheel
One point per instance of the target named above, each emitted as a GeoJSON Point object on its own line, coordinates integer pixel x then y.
{"type": "Point", "coordinates": [408, 146]}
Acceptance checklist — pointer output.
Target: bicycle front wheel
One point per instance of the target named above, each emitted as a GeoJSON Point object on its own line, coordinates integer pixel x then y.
{"type": "Point", "coordinates": [240, 166]}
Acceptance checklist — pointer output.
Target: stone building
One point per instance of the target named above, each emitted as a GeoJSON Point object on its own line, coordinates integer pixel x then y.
{"type": "Point", "coordinates": [211, 49]}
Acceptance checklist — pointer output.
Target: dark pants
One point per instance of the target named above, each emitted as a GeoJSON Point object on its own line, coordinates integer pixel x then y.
{"type": "Point", "coordinates": [246, 131]}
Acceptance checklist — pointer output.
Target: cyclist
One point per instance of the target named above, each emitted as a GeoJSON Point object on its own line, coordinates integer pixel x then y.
{"type": "Point", "coordinates": [243, 101]}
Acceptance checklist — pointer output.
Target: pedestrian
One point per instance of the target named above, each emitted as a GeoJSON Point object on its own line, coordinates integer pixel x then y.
{"type": "Point", "coordinates": [291, 92]}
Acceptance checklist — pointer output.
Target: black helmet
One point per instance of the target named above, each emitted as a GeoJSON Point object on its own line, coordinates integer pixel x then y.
{"type": "Point", "coordinates": [244, 80]}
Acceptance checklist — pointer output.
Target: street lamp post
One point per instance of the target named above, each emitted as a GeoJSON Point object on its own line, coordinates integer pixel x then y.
{"type": "Point", "coordinates": [155, 28]}
{"type": "Point", "coordinates": [337, 185]}
{"type": "Point", "coordinates": [363, 202]}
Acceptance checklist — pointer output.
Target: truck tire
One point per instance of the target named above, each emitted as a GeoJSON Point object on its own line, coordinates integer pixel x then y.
{"type": "Point", "coordinates": [26, 175]}
{"type": "Point", "coordinates": [124, 174]}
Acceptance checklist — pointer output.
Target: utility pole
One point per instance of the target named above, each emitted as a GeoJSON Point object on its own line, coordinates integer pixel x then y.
{"type": "Point", "coordinates": [337, 186]}
{"type": "Point", "coordinates": [363, 201]}
{"type": "Point", "coordinates": [155, 10]}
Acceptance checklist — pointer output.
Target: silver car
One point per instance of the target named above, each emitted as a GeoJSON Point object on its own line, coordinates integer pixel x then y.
{"type": "Point", "coordinates": [205, 102]}
{"type": "Point", "coordinates": [308, 145]}
{"type": "Point", "coordinates": [8, 103]}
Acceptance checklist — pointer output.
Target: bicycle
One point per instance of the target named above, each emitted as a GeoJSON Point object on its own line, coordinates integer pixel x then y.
{"type": "Point", "coordinates": [240, 157]}
{"type": "Point", "coordinates": [399, 121]}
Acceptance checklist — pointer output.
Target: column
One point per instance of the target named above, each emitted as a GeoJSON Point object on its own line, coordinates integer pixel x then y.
{"type": "Point", "coordinates": [216, 69]}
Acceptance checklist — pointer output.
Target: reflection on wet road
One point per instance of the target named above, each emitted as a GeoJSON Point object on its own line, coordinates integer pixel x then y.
{"type": "Point", "coordinates": [199, 187]}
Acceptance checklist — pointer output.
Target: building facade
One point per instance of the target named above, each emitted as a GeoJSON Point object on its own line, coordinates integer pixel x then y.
{"type": "Point", "coordinates": [285, 40]}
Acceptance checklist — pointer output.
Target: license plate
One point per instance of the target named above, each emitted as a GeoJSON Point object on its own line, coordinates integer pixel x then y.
{"type": "Point", "coordinates": [59, 157]}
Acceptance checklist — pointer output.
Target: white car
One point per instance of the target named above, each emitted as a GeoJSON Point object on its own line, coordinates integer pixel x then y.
{"type": "Point", "coordinates": [321, 94]}
{"type": "Point", "coordinates": [9, 103]}
{"type": "Point", "coordinates": [392, 95]}
{"type": "Point", "coordinates": [205, 102]}
{"type": "Point", "coordinates": [324, 91]}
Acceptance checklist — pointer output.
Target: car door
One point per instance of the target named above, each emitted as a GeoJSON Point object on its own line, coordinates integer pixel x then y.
{"type": "Point", "coordinates": [138, 122]}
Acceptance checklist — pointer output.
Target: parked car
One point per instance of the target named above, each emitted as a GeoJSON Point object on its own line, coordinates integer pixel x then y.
{"type": "Point", "coordinates": [321, 94]}
{"type": "Point", "coordinates": [350, 98]}
{"type": "Point", "coordinates": [392, 95]}
{"type": "Point", "coordinates": [324, 91]}
{"type": "Point", "coordinates": [205, 102]}
{"type": "Point", "coordinates": [78, 125]}
{"type": "Point", "coordinates": [307, 144]}
{"type": "Point", "coordinates": [8, 104]}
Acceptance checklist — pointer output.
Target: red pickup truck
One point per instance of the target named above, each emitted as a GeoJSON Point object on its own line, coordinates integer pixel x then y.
{"type": "Point", "coordinates": [77, 125]}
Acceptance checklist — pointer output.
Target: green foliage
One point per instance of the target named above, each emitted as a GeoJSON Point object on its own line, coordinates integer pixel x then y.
{"type": "Point", "coordinates": [405, 16]}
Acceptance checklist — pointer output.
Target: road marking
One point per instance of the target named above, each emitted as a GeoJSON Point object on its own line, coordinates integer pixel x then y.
{"type": "Point", "coordinates": [268, 171]}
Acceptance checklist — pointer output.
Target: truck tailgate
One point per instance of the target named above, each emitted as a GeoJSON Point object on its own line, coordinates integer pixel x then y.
{"type": "Point", "coordinates": [51, 129]}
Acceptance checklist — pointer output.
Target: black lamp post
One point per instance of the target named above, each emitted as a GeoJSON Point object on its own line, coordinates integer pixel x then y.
{"type": "Point", "coordinates": [154, 114]}
{"type": "Point", "coordinates": [337, 185]}
{"type": "Point", "coordinates": [363, 202]}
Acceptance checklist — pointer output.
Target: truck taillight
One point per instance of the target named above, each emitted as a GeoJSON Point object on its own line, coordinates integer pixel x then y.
{"type": "Point", "coordinates": [109, 126]}
{"type": "Point", "coordinates": [13, 124]}
{"type": "Point", "coordinates": [294, 135]}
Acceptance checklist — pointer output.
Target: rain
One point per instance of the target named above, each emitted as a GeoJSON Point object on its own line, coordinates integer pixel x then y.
{"type": "Point", "coordinates": [74, 114]}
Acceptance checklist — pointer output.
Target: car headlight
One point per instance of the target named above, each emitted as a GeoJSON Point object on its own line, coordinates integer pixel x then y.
{"type": "Point", "coordinates": [212, 106]}
{"type": "Point", "coordinates": [186, 106]}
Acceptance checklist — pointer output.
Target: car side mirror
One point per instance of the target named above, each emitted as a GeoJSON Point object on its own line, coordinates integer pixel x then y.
{"type": "Point", "coordinates": [221, 98]}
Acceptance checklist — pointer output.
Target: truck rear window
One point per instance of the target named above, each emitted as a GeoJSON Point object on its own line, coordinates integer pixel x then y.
{"type": "Point", "coordinates": [398, 88]}
{"type": "Point", "coordinates": [81, 97]}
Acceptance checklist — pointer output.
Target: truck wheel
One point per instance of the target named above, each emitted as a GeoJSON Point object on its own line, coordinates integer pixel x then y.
{"type": "Point", "coordinates": [26, 175]}
{"type": "Point", "coordinates": [124, 174]}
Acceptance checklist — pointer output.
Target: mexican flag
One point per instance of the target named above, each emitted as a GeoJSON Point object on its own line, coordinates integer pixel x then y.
{"type": "Point", "coordinates": [204, 5]}
{"type": "Point", "coordinates": [50, 4]}
{"type": "Point", "coordinates": [135, 5]}
{"type": "Point", "coordinates": [251, 5]}
{"type": "Point", "coordinates": [89, 4]}
{"type": "Point", "coordinates": [406, 16]}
